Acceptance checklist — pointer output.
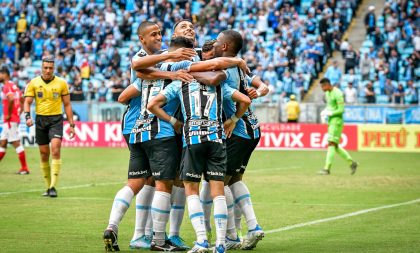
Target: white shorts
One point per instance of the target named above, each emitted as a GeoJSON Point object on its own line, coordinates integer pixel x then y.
{"type": "Point", "coordinates": [10, 132]}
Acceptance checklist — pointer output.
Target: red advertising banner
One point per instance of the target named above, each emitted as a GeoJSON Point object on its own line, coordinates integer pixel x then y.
{"type": "Point", "coordinates": [273, 136]}
{"type": "Point", "coordinates": [303, 136]}
{"type": "Point", "coordinates": [94, 134]}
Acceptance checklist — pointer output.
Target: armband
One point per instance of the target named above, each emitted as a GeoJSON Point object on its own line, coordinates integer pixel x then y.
{"type": "Point", "coordinates": [27, 115]}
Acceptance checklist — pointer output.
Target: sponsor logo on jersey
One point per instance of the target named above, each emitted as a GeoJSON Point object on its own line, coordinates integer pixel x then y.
{"type": "Point", "coordinates": [203, 122]}
{"type": "Point", "coordinates": [40, 94]}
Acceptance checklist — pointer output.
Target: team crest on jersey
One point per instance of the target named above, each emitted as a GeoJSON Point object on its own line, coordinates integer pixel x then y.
{"type": "Point", "coordinates": [40, 94]}
{"type": "Point", "coordinates": [56, 95]}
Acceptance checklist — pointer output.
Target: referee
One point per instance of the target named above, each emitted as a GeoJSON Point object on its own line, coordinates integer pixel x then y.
{"type": "Point", "coordinates": [50, 93]}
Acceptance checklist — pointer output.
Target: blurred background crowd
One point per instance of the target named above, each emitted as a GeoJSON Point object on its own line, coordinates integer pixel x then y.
{"type": "Point", "coordinates": [287, 43]}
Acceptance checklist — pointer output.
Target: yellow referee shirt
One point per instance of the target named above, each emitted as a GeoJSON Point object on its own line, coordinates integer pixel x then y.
{"type": "Point", "coordinates": [47, 95]}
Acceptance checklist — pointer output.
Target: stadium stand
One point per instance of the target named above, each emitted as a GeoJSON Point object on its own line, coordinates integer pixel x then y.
{"type": "Point", "coordinates": [387, 69]}
{"type": "Point", "coordinates": [286, 42]}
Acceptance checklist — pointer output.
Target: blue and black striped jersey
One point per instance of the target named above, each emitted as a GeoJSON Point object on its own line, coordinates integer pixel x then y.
{"type": "Point", "coordinates": [133, 109]}
{"type": "Point", "coordinates": [201, 106]}
{"type": "Point", "coordinates": [247, 126]}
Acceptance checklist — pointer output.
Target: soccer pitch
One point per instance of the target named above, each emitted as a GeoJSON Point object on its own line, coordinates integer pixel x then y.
{"type": "Point", "coordinates": [285, 191]}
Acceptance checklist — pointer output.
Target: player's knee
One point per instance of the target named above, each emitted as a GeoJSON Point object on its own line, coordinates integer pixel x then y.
{"type": "Point", "coordinates": [136, 184]}
{"type": "Point", "coordinates": [164, 185]}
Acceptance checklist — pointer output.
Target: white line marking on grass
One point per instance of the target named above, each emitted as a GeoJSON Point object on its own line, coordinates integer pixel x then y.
{"type": "Point", "coordinates": [64, 187]}
{"type": "Point", "coordinates": [341, 216]}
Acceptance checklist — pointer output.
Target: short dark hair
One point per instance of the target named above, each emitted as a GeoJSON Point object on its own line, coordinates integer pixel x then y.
{"type": "Point", "coordinates": [181, 41]}
{"type": "Point", "coordinates": [48, 59]}
{"type": "Point", "coordinates": [235, 39]}
{"type": "Point", "coordinates": [208, 45]}
{"type": "Point", "coordinates": [325, 81]}
{"type": "Point", "coordinates": [5, 70]}
{"type": "Point", "coordinates": [143, 25]}
{"type": "Point", "coordinates": [182, 20]}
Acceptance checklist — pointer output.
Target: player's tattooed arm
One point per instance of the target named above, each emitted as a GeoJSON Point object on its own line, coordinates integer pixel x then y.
{"type": "Point", "coordinates": [148, 61]}
{"type": "Point", "coordinates": [219, 64]}
{"type": "Point", "coordinates": [129, 93]}
{"type": "Point", "coordinates": [154, 106]}
{"type": "Point", "coordinates": [212, 78]}
{"type": "Point", "coordinates": [155, 74]}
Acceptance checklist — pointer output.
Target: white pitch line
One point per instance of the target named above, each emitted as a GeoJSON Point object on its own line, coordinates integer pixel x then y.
{"type": "Point", "coordinates": [340, 216]}
{"type": "Point", "coordinates": [64, 187]}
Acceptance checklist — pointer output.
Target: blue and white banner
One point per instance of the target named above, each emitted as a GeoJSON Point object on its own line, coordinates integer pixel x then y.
{"type": "Point", "coordinates": [412, 115]}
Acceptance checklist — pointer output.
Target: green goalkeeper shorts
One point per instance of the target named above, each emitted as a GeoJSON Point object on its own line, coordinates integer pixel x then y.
{"type": "Point", "coordinates": [334, 131]}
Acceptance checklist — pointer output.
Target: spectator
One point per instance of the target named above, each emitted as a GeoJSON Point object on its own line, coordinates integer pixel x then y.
{"type": "Point", "coordinates": [288, 84]}
{"type": "Point", "coordinates": [370, 20]}
{"type": "Point", "coordinates": [116, 89]}
{"type": "Point", "coordinates": [365, 66]}
{"type": "Point", "coordinates": [393, 63]}
{"type": "Point", "coordinates": [412, 96]}
{"type": "Point", "coordinates": [370, 94]}
{"type": "Point", "coordinates": [102, 93]}
{"type": "Point", "coordinates": [26, 61]}
{"type": "Point", "coordinates": [389, 90]}
{"type": "Point", "coordinates": [399, 94]}
{"type": "Point", "coordinates": [77, 91]}
{"type": "Point", "coordinates": [91, 92]}
{"type": "Point", "coordinates": [9, 50]}
{"type": "Point", "coordinates": [21, 25]}
{"type": "Point", "coordinates": [293, 110]}
{"type": "Point", "coordinates": [350, 94]}
{"type": "Point", "coordinates": [300, 85]}
{"type": "Point", "coordinates": [270, 76]}
{"type": "Point", "coordinates": [351, 59]}
{"type": "Point", "coordinates": [334, 73]}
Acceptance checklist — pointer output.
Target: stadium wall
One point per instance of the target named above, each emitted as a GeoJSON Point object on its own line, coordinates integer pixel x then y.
{"type": "Point", "coordinates": [275, 136]}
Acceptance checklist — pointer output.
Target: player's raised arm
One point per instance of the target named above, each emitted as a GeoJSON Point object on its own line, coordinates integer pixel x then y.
{"type": "Point", "coordinates": [127, 94]}
{"type": "Point", "coordinates": [155, 74]}
{"type": "Point", "coordinates": [149, 61]}
{"type": "Point", "coordinates": [212, 78]}
{"type": "Point", "coordinates": [219, 64]}
{"type": "Point", "coordinates": [262, 88]}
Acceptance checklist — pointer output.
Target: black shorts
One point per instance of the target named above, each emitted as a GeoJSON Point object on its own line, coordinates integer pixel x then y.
{"type": "Point", "coordinates": [158, 158]}
{"type": "Point", "coordinates": [239, 151]}
{"type": "Point", "coordinates": [208, 158]}
{"type": "Point", "coordinates": [47, 128]}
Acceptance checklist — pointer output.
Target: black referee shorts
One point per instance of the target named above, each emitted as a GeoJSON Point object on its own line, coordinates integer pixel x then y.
{"type": "Point", "coordinates": [47, 128]}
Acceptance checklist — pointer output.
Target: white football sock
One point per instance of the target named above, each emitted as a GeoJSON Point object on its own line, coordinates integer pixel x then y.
{"type": "Point", "coordinates": [238, 216]}
{"type": "Point", "coordinates": [243, 200]}
{"type": "Point", "coordinates": [177, 211]}
{"type": "Point", "coordinates": [206, 202]}
{"type": "Point", "coordinates": [161, 207]}
{"type": "Point", "coordinates": [220, 219]}
{"type": "Point", "coordinates": [196, 214]}
{"type": "Point", "coordinates": [231, 229]}
{"type": "Point", "coordinates": [143, 201]}
{"type": "Point", "coordinates": [121, 203]}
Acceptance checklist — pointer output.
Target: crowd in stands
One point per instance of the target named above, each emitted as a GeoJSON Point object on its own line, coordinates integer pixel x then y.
{"type": "Point", "coordinates": [386, 68]}
{"type": "Point", "coordinates": [287, 42]}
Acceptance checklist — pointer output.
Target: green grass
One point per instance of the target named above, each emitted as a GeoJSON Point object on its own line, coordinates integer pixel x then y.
{"type": "Point", "coordinates": [285, 191]}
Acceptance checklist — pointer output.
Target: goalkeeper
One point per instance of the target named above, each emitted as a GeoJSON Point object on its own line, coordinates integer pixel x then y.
{"type": "Point", "coordinates": [334, 112]}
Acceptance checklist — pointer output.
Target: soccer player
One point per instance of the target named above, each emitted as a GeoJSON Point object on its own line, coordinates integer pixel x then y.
{"type": "Point", "coordinates": [50, 93]}
{"type": "Point", "coordinates": [204, 149]}
{"type": "Point", "coordinates": [12, 107]}
{"type": "Point", "coordinates": [208, 50]}
{"type": "Point", "coordinates": [334, 111]}
{"type": "Point", "coordinates": [151, 39]}
{"type": "Point", "coordinates": [240, 144]}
